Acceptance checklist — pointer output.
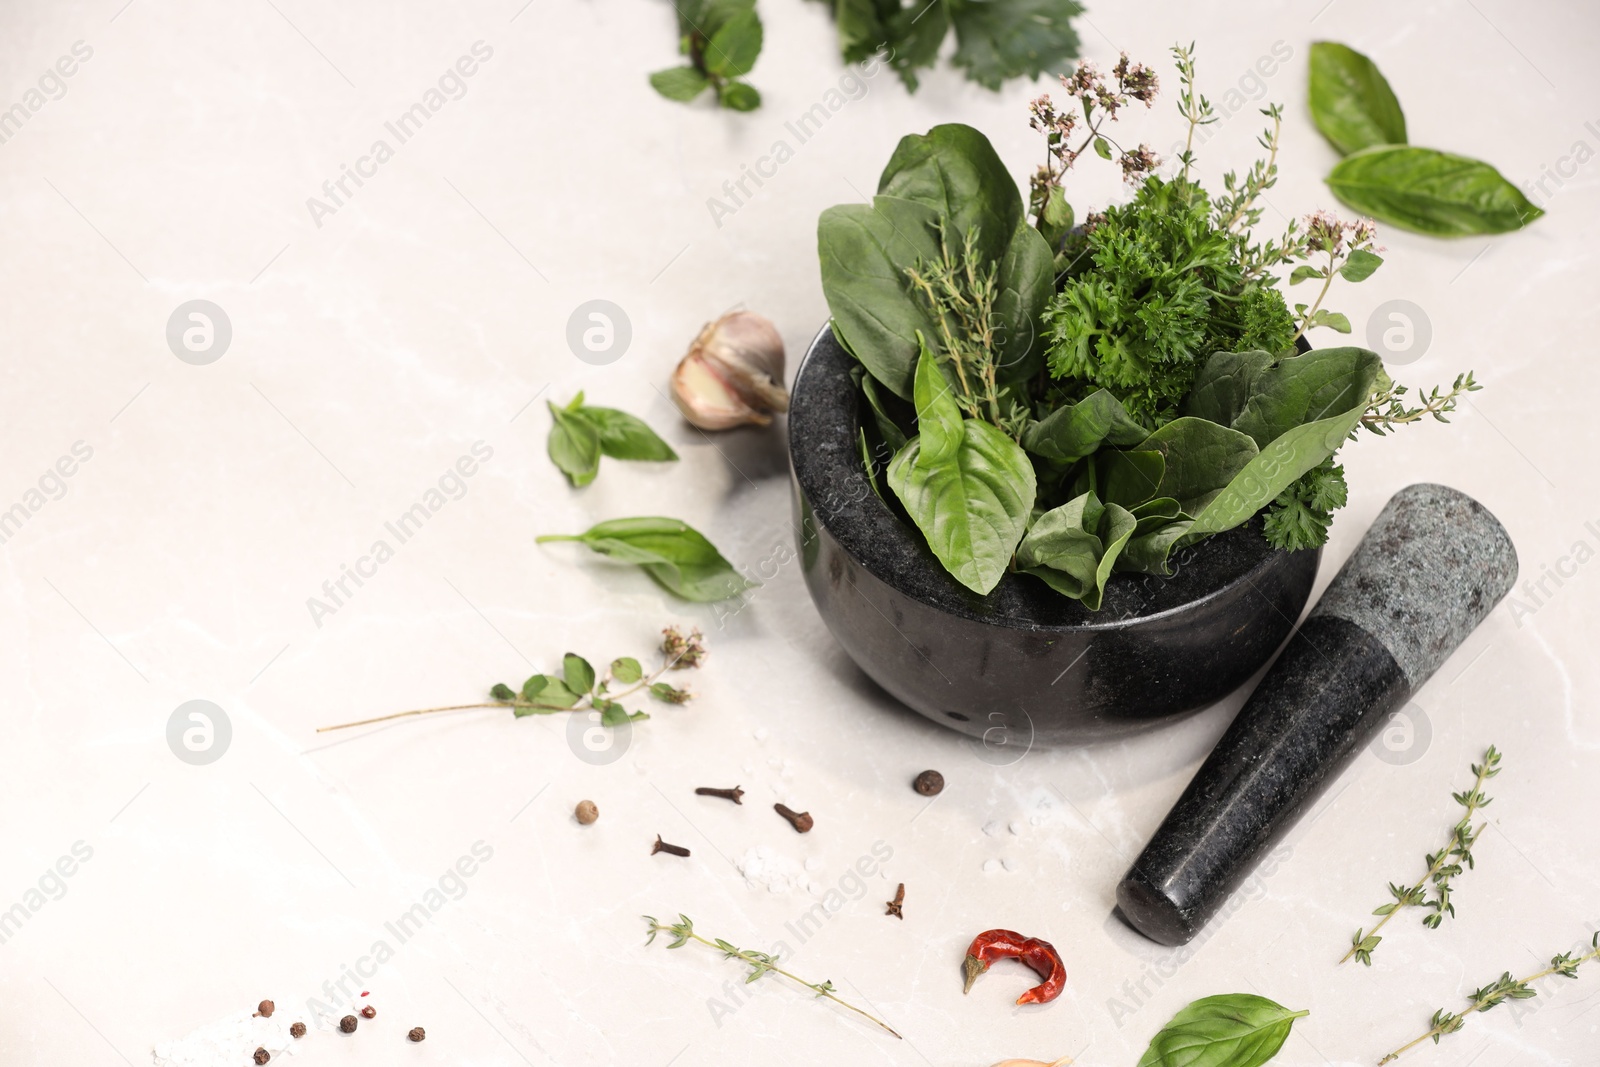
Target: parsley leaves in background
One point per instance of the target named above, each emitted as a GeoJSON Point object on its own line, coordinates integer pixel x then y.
{"type": "Point", "coordinates": [580, 435]}
{"type": "Point", "coordinates": [722, 39]}
{"type": "Point", "coordinates": [996, 40]}
{"type": "Point", "coordinates": [1418, 189]}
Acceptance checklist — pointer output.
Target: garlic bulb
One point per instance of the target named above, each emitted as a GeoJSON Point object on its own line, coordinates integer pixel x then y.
{"type": "Point", "coordinates": [732, 374]}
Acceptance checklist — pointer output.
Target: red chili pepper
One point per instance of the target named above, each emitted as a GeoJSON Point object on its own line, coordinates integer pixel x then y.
{"type": "Point", "coordinates": [1040, 955]}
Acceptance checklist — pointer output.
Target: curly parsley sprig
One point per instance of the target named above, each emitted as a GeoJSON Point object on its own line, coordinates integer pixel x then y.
{"type": "Point", "coordinates": [1444, 865]}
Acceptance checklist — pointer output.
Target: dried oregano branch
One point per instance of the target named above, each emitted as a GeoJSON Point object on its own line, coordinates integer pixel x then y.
{"type": "Point", "coordinates": [1442, 867]}
{"type": "Point", "coordinates": [580, 688]}
{"type": "Point", "coordinates": [1496, 993]}
{"type": "Point", "coordinates": [760, 963]}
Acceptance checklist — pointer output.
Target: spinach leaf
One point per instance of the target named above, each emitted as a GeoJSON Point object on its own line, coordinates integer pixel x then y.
{"type": "Point", "coordinates": [1127, 478]}
{"type": "Point", "coordinates": [1073, 431]}
{"type": "Point", "coordinates": [1430, 192]}
{"type": "Point", "coordinates": [1224, 384]}
{"type": "Point", "coordinates": [1306, 388]}
{"type": "Point", "coordinates": [1073, 548]}
{"type": "Point", "coordinates": [1233, 1030]}
{"type": "Point", "coordinates": [1351, 101]}
{"type": "Point", "coordinates": [888, 429]}
{"type": "Point", "coordinates": [956, 171]}
{"type": "Point", "coordinates": [1026, 279]}
{"type": "Point", "coordinates": [1201, 459]}
{"type": "Point", "coordinates": [864, 252]}
{"type": "Point", "coordinates": [574, 443]}
{"type": "Point", "coordinates": [970, 493]}
{"type": "Point", "coordinates": [672, 552]}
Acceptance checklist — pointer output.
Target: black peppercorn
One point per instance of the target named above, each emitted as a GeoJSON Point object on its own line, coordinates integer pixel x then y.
{"type": "Point", "coordinates": [348, 1024]}
{"type": "Point", "coordinates": [416, 1034]}
{"type": "Point", "coordinates": [297, 1030]}
{"type": "Point", "coordinates": [929, 783]}
{"type": "Point", "coordinates": [262, 1055]}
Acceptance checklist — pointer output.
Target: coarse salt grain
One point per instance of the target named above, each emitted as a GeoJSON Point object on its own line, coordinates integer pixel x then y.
{"type": "Point", "coordinates": [227, 1042]}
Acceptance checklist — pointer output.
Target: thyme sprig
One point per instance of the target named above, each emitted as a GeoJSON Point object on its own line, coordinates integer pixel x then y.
{"type": "Point", "coordinates": [1444, 865]}
{"type": "Point", "coordinates": [760, 963]}
{"type": "Point", "coordinates": [1388, 408]}
{"type": "Point", "coordinates": [580, 688]}
{"type": "Point", "coordinates": [1496, 993]}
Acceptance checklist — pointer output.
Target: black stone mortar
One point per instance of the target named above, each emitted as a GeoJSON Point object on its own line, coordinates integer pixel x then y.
{"type": "Point", "coordinates": [1023, 664]}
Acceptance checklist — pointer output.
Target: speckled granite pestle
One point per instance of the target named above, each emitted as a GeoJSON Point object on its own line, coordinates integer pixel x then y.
{"type": "Point", "coordinates": [1433, 566]}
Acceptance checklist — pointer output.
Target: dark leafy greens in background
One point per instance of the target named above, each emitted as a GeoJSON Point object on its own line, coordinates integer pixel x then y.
{"type": "Point", "coordinates": [1232, 1030]}
{"type": "Point", "coordinates": [580, 435]}
{"type": "Point", "coordinates": [1419, 189]}
{"type": "Point", "coordinates": [996, 40]}
{"type": "Point", "coordinates": [672, 552]}
{"type": "Point", "coordinates": [721, 39]}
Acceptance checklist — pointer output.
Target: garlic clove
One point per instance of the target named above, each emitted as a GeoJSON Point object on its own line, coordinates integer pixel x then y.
{"type": "Point", "coordinates": [707, 400]}
{"type": "Point", "coordinates": [732, 374]}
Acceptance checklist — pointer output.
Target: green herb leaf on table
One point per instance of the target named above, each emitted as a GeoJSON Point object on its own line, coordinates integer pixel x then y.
{"type": "Point", "coordinates": [577, 673]}
{"type": "Point", "coordinates": [680, 83]}
{"type": "Point", "coordinates": [1430, 192]}
{"type": "Point", "coordinates": [672, 552]}
{"type": "Point", "coordinates": [1232, 1030]}
{"type": "Point", "coordinates": [626, 670]}
{"type": "Point", "coordinates": [722, 39]}
{"type": "Point", "coordinates": [1351, 101]}
{"type": "Point", "coordinates": [580, 435]}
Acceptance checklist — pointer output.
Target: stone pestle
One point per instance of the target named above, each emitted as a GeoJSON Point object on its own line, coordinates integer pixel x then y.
{"type": "Point", "coordinates": [1433, 566]}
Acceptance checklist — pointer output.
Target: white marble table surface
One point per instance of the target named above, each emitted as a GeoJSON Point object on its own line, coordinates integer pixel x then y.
{"type": "Point", "coordinates": [374, 345]}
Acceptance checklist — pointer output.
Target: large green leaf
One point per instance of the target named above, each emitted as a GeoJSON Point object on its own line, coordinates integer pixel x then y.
{"type": "Point", "coordinates": [1026, 282]}
{"type": "Point", "coordinates": [973, 507]}
{"type": "Point", "coordinates": [1201, 459]}
{"type": "Point", "coordinates": [998, 41]}
{"type": "Point", "coordinates": [1430, 191]}
{"type": "Point", "coordinates": [1233, 1030]}
{"type": "Point", "coordinates": [1351, 101]}
{"type": "Point", "coordinates": [1307, 388]}
{"type": "Point", "coordinates": [1074, 548]}
{"type": "Point", "coordinates": [864, 252]}
{"type": "Point", "coordinates": [1074, 431]}
{"type": "Point", "coordinates": [672, 552]}
{"type": "Point", "coordinates": [1128, 478]}
{"type": "Point", "coordinates": [1223, 385]}
{"type": "Point", "coordinates": [956, 171]}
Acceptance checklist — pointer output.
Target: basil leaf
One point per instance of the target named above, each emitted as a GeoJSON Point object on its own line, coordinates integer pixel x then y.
{"type": "Point", "coordinates": [888, 429]}
{"type": "Point", "coordinates": [999, 41]}
{"type": "Point", "coordinates": [625, 436]}
{"type": "Point", "coordinates": [676, 555]}
{"type": "Point", "coordinates": [1233, 1030]}
{"type": "Point", "coordinates": [734, 46]}
{"type": "Point", "coordinates": [740, 96]}
{"type": "Point", "coordinates": [577, 673]}
{"type": "Point", "coordinates": [574, 445]}
{"type": "Point", "coordinates": [864, 252]}
{"type": "Point", "coordinates": [679, 83]}
{"type": "Point", "coordinates": [1430, 192]}
{"type": "Point", "coordinates": [1351, 101]}
{"type": "Point", "coordinates": [1073, 548]}
{"type": "Point", "coordinates": [1074, 431]}
{"type": "Point", "coordinates": [938, 417]}
{"type": "Point", "coordinates": [626, 670]}
{"type": "Point", "coordinates": [973, 508]}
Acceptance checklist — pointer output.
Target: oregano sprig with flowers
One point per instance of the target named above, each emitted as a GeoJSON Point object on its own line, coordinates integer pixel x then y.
{"type": "Point", "coordinates": [1090, 398]}
{"type": "Point", "coordinates": [579, 687]}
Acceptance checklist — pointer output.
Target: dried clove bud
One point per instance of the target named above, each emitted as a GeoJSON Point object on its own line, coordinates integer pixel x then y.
{"type": "Point", "coordinates": [732, 374]}
{"type": "Point", "coordinates": [800, 820]}
{"type": "Point", "coordinates": [297, 1029]}
{"type": "Point", "coordinates": [671, 850]}
{"type": "Point", "coordinates": [416, 1034]}
{"type": "Point", "coordinates": [348, 1024]}
{"type": "Point", "coordinates": [897, 905]}
{"type": "Point", "coordinates": [726, 794]}
{"type": "Point", "coordinates": [586, 812]}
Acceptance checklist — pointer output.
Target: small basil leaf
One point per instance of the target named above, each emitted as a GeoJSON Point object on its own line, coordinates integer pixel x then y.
{"type": "Point", "coordinates": [624, 436]}
{"type": "Point", "coordinates": [626, 670]}
{"type": "Point", "coordinates": [574, 445]}
{"type": "Point", "coordinates": [938, 417]}
{"type": "Point", "coordinates": [577, 673]}
{"type": "Point", "coordinates": [677, 556]}
{"type": "Point", "coordinates": [1351, 101]}
{"type": "Point", "coordinates": [679, 83]}
{"type": "Point", "coordinates": [1233, 1030]}
{"type": "Point", "coordinates": [1430, 192]}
